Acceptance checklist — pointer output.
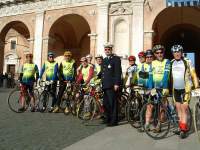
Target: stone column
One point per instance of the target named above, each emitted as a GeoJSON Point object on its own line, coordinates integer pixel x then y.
{"type": "Point", "coordinates": [93, 37]}
{"type": "Point", "coordinates": [2, 61]}
{"type": "Point", "coordinates": [148, 38]}
{"type": "Point", "coordinates": [102, 27]}
{"type": "Point", "coordinates": [39, 24]}
{"type": "Point", "coordinates": [138, 27]}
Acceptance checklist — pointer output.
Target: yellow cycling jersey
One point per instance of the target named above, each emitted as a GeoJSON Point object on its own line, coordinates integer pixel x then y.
{"type": "Point", "coordinates": [160, 73]}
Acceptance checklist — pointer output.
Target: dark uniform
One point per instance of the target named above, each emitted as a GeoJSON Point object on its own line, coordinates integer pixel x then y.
{"type": "Point", "coordinates": [111, 75]}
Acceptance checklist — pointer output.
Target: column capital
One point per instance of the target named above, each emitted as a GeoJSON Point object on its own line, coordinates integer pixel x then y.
{"type": "Point", "coordinates": [93, 36]}
{"type": "Point", "coordinates": [138, 2]}
{"type": "Point", "coordinates": [103, 5]}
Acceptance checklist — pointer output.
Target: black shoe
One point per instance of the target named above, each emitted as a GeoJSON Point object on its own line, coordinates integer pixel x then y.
{"type": "Point", "coordinates": [32, 109]}
{"type": "Point", "coordinates": [177, 132]}
{"type": "Point", "coordinates": [112, 124]}
{"type": "Point", "coordinates": [183, 135]}
{"type": "Point", "coordinates": [21, 109]}
{"type": "Point", "coordinates": [104, 121]}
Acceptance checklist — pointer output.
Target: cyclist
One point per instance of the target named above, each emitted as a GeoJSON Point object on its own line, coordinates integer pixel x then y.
{"type": "Point", "coordinates": [50, 67]}
{"type": "Point", "coordinates": [84, 77]}
{"type": "Point", "coordinates": [159, 79]}
{"type": "Point", "coordinates": [140, 68]}
{"type": "Point", "coordinates": [28, 75]}
{"type": "Point", "coordinates": [86, 73]}
{"type": "Point", "coordinates": [142, 57]}
{"type": "Point", "coordinates": [131, 72]}
{"type": "Point", "coordinates": [97, 70]}
{"type": "Point", "coordinates": [182, 72]}
{"type": "Point", "coordinates": [67, 73]}
{"type": "Point", "coordinates": [89, 61]}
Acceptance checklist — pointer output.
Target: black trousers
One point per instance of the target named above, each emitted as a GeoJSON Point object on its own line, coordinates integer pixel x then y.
{"type": "Point", "coordinates": [52, 89]}
{"type": "Point", "coordinates": [60, 92]}
{"type": "Point", "coordinates": [110, 104]}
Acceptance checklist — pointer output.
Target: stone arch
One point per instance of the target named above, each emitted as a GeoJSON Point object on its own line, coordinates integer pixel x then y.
{"type": "Point", "coordinates": [173, 16]}
{"type": "Point", "coordinates": [70, 32]}
{"type": "Point", "coordinates": [20, 33]}
{"type": "Point", "coordinates": [179, 25]}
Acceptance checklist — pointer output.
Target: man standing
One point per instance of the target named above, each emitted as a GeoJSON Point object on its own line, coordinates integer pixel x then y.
{"type": "Point", "coordinates": [111, 81]}
{"type": "Point", "coordinates": [51, 69]}
{"type": "Point", "coordinates": [183, 74]}
{"type": "Point", "coordinates": [28, 75]}
{"type": "Point", "coordinates": [67, 72]}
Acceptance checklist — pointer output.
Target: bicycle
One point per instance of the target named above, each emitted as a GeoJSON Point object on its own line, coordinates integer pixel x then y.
{"type": "Point", "coordinates": [87, 104]}
{"type": "Point", "coordinates": [45, 103]}
{"type": "Point", "coordinates": [196, 115]}
{"type": "Point", "coordinates": [163, 114]}
{"type": "Point", "coordinates": [135, 102]}
{"type": "Point", "coordinates": [68, 100]}
{"type": "Point", "coordinates": [14, 99]}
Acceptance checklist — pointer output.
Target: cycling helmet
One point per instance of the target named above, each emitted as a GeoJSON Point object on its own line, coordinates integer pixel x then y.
{"type": "Point", "coordinates": [89, 56]}
{"type": "Point", "coordinates": [177, 48]}
{"type": "Point", "coordinates": [158, 47]}
{"type": "Point", "coordinates": [29, 55]}
{"type": "Point", "coordinates": [99, 56]}
{"type": "Point", "coordinates": [67, 53]}
{"type": "Point", "coordinates": [50, 54]}
{"type": "Point", "coordinates": [149, 52]}
{"type": "Point", "coordinates": [83, 59]}
{"type": "Point", "coordinates": [141, 54]}
{"type": "Point", "coordinates": [131, 58]}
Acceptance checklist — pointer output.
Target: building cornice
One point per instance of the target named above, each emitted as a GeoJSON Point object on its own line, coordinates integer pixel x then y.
{"type": "Point", "coordinates": [32, 6]}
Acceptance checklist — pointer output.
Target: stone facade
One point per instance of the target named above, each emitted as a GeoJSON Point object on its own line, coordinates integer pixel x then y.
{"type": "Point", "coordinates": [83, 26]}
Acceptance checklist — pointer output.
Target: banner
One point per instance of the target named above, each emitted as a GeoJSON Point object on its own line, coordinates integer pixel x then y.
{"type": "Point", "coordinates": [181, 3]}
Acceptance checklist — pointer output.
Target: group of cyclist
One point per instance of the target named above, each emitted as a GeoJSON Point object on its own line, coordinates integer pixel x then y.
{"type": "Point", "coordinates": [65, 72]}
{"type": "Point", "coordinates": [153, 71]}
{"type": "Point", "coordinates": [178, 75]}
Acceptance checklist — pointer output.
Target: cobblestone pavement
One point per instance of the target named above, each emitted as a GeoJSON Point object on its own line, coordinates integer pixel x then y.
{"type": "Point", "coordinates": [39, 131]}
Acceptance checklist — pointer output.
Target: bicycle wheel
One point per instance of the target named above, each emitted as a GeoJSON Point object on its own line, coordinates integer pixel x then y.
{"type": "Point", "coordinates": [189, 119]}
{"type": "Point", "coordinates": [86, 108]}
{"type": "Point", "coordinates": [14, 101]}
{"type": "Point", "coordinates": [122, 109]}
{"type": "Point", "coordinates": [99, 110]}
{"type": "Point", "coordinates": [134, 107]}
{"type": "Point", "coordinates": [197, 119]}
{"type": "Point", "coordinates": [159, 122]}
{"type": "Point", "coordinates": [73, 105]}
{"type": "Point", "coordinates": [43, 101]}
{"type": "Point", "coordinates": [36, 95]}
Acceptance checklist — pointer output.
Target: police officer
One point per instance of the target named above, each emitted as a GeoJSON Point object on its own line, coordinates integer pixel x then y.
{"type": "Point", "coordinates": [111, 81]}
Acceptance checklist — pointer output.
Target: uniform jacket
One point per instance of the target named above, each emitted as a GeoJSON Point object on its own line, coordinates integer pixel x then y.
{"type": "Point", "coordinates": [111, 72]}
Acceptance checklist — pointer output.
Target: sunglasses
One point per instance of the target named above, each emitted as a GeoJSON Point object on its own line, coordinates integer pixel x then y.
{"type": "Point", "coordinates": [159, 53]}
{"type": "Point", "coordinates": [149, 56]}
{"type": "Point", "coordinates": [50, 56]}
{"type": "Point", "coordinates": [107, 49]}
{"type": "Point", "coordinates": [176, 51]}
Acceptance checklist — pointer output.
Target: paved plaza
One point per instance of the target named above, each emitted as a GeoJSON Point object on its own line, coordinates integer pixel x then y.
{"type": "Point", "coordinates": [45, 131]}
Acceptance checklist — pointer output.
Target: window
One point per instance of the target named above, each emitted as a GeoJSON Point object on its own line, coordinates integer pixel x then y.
{"type": "Point", "coordinates": [13, 45]}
